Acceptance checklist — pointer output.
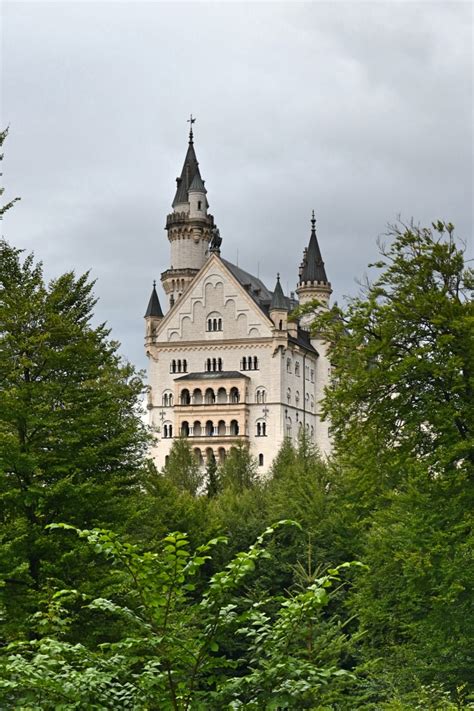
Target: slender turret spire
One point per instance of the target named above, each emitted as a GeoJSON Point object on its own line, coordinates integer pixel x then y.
{"type": "Point", "coordinates": [279, 301]}
{"type": "Point", "coordinates": [190, 173]}
{"type": "Point", "coordinates": [154, 306]}
{"type": "Point", "coordinates": [312, 267]}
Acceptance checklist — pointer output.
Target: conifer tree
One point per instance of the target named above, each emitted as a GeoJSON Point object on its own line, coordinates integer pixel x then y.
{"type": "Point", "coordinates": [71, 438]}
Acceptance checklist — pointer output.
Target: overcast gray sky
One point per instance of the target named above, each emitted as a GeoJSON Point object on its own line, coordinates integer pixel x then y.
{"type": "Point", "coordinates": [359, 110]}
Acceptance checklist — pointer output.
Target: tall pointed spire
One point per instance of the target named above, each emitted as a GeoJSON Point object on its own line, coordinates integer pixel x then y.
{"type": "Point", "coordinates": [154, 306]}
{"type": "Point", "coordinates": [312, 268]}
{"type": "Point", "coordinates": [278, 299]}
{"type": "Point", "coordinates": [189, 172]}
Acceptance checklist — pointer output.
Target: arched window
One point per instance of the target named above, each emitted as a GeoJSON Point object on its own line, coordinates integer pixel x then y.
{"type": "Point", "coordinates": [260, 396]}
{"type": "Point", "coordinates": [197, 430]}
{"type": "Point", "coordinates": [234, 395]}
{"type": "Point", "coordinates": [221, 453]}
{"type": "Point", "coordinates": [288, 394]}
{"type": "Point", "coordinates": [219, 365]}
{"type": "Point", "coordinates": [185, 397]}
{"type": "Point", "coordinates": [214, 322]}
{"type": "Point", "coordinates": [197, 396]}
{"type": "Point", "coordinates": [288, 365]}
{"type": "Point", "coordinates": [297, 369]}
{"type": "Point", "coordinates": [210, 397]}
{"type": "Point", "coordinates": [264, 429]}
{"type": "Point", "coordinates": [288, 427]}
{"type": "Point", "coordinates": [198, 455]}
{"type": "Point", "coordinates": [260, 460]}
{"type": "Point", "coordinates": [255, 363]}
{"type": "Point", "coordinates": [297, 397]}
{"type": "Point", "coordinates": [234, 427]}
{"type": "Point", "coordinates": [280, 325]}
{"type": "Point", "coordinates": [244, 363]}
{"type": "Point", "coordinates": [179, 366]}
{"type": "Point", "coordinates": [185, 429]}
{"type": "Point", "coordinates": [222, 396]}
{"type": "Point", "coordinates": [173, 366]}
{"type": "Point", "coordinates": [208, 365]}
{"type": "Point", "coordinates": [167, 458]}
{"type": "Point", "coordinates": [259, 429]}
{"type": "Point", "coordinates": [214, 364]}
{"type": "Point", "coordinates": [209, 428]}
{"type": "Point", "coordinates": [185, 366]}
{"type": "Point", "coordinates": [167, 430]}
{"type": "Point", "coordinates": [221, 428]}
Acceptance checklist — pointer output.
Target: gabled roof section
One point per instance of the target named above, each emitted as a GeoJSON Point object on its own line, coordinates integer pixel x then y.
{"type": "Point", "coordinates": [188, 173]}
{"type": "Point", "coordinates": [257, 289]}
{"type": "Point", "coordinates": [154, 306]}
{"type": "Point", "coordinates": [279, 301]}
{"type": "Point", "coordinates": [313, 265]}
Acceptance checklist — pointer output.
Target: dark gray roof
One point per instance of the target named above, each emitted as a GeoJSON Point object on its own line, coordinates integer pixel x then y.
{"type": "Point", "coordinates": [190, 168]}
{"type": "Point", "coordinates": [279, 300]}
{"type": "Point", "coordinates": [198, 183]}
{"type": "Point", "coordinates": [213, 375]}
{"type": "Point", "coordinates": [313, 265]}
{"type": "Point", "coordinates": [303, 339]}
{"type": "Point", "coordinates": [257, 289]}
{"type": "Point", "coordinates": [154, 307]}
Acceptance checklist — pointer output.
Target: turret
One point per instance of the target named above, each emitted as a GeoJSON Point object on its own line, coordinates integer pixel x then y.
{"type": "Point", "coordinates": [279, 307]}
{"type": "Point", "coordinates": [153, 314]}
{"type": "Point", "coordinates": [189, 226]}
{"type": "Point", "coordinates": [313, 282]}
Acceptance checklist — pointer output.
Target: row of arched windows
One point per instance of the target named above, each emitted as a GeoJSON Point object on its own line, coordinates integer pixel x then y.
{"type": "Point", "coordinates": [210, 429]}
{"type": "Point", "coordinates": [210, 396]}
{"type": "Point", "coordinates": [249, 363]}
{"type": "Point", "coordinates": [261, 429]}
{"type": "Point", "coordinates": [179, 366]}
{"type": "Point", "coordinates": [167, 431]}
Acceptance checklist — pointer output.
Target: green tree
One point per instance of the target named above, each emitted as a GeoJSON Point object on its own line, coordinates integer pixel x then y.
{"type": "Point", "coordinates": [239, 470]}
{"type": "Point", "coordinates": [169, 657]}
{"type": "Point", "coordinates": [182, 467]}
{"type": "Point", "coordinates": [71, 438]}
{"type": "Point", "coordinates": [401, 494]}
{"type": "Point", "coordinates": [10, 203]}
{"type": "Point", "coordinates": [212, 476]}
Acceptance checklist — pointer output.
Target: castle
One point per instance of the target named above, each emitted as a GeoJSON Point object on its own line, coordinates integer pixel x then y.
{"type": "Point", "coordinates": [226, 365]}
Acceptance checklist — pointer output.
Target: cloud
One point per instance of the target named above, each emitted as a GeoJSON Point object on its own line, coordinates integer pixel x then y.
{"type": "Point", "coordinates": [358, 110]}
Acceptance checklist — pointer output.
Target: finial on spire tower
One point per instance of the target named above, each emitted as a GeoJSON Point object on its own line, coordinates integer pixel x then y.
{"type": "Point", "coordinates": [313, 221]}
{"type": "Point", "coordinates": [154, 283]}
{"type": "Point", "coordinates": [191, 120]}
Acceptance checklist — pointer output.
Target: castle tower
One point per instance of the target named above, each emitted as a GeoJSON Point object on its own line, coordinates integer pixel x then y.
{"type": "Point", "coordinates": [279, 307]}
{"type": "Point", "coordinates": [153, 314]}
{"type": "Point", "coordinates": [189, 226]}
{"type": "Point", "coordinates": [313, 282]}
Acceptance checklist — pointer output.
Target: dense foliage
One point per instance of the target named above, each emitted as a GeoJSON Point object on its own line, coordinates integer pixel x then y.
{"type": "Point", "coordinates": [106, 606]}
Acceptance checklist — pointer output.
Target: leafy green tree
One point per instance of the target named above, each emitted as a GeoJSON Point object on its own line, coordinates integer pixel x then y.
{"type": "Point", "coordinates": [170, 656]}
{"type": "Point", "coordinates": [402, 356]}
{"type": "Point", "coordinates": [239, 470]}
{"type": "Point", "coordinates": [71, 438]}
{"type": "Point", "coordinates": [182, 467]}
{"type": "Point", "coordinates": [10, 203]}
{"type": "Point", "coordinates": [212, 476]}
{"type": "Point", "coordinates": [401, 493]}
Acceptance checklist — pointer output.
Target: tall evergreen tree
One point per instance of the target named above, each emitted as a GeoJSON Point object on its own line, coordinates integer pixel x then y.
{"type": "Point", "coordinates": [71, 438]}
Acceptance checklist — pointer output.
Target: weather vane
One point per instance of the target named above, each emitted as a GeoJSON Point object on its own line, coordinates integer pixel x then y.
{"type": "Point", "coordinates": [191, 120]}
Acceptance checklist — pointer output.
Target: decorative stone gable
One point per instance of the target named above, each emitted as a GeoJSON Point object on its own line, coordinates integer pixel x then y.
{"type": "Point", "coordinates": [215, 308]}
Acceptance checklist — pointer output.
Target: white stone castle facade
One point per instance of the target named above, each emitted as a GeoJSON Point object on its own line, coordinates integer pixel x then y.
{"type": "Point", "coordinates": [225, 363]}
